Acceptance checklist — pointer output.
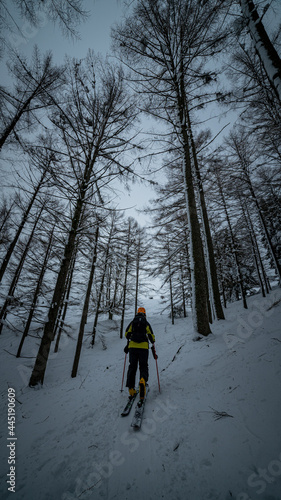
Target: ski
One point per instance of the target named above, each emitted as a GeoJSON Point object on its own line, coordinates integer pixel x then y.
{"type": "Point", "coordinates": [137, 418]}
{"type": "Point", "coordinates": [129, 405]}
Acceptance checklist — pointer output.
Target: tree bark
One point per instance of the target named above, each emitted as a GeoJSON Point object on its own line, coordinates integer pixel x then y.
{"type": "Point", "coordinates": [198, 270]}
{"type": "Point", "coordinates": [263, 45]}
{"type": "Point", "coordinates": [64, 303]}
{"type": "Point", "coordinates": [215, 293]}
{"type": "Point", "coordinates": [36, 294]}
{"type": "Point", "coordinates": [170, 284]}
{"type": "Point", "coordinates": [20, 228]}
{"type": "Point", "coordinates": [17, 274]}
{"type": "Point", "coordinates": [102, 284]}
{"type": "Point", "coordinates": [39, 368]}
{"type": "Point", "coordinates": [137, 276]}
{"type": "Point", "coordinates": [234, 249]}
{"type": "Point", "coordinates": [125, 280]}
{"type": "Point", "coordinates": [9, 129]}
{"type": "Point", "coordinates": [85, 308]}
{"type": "Point", "coordinates": [266, 232]}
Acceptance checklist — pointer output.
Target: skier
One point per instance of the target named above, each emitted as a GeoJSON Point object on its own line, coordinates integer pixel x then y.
{"type": "Point", "coordinates": [138, 333]}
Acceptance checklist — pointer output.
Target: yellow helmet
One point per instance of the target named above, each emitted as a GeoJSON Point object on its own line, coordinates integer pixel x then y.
{"type": "Point", "coordinates": [141, 310]}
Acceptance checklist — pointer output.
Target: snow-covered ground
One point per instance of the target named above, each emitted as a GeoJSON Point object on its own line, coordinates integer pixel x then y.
{"type": "Point", "coordinates": [212, 433]}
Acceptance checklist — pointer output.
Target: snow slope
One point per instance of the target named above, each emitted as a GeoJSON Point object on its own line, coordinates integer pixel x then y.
{"type": "Point", "coordinates": [73, 444]}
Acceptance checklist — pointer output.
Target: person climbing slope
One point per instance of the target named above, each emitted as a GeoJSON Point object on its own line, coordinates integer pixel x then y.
{"type": "Point", "coordinates": [138, 334]}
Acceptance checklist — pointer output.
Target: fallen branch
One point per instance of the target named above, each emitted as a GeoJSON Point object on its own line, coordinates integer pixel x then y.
{"type": "Point", "coordinates": [90, 488]}
{"type": "Point", "coordinates": [43, 420]}
{"type": "Point", "coordinates": [84, 379]}
{"type": "Point", "coordinates": [274, 304]}
{"type": "Point", "coordinates": [220, 414]}
{"type": "Point", "coordinates": [177, 352]}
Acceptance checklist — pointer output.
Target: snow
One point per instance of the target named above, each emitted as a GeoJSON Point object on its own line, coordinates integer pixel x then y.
{"type": "Point", "coordinates": [72, 442]}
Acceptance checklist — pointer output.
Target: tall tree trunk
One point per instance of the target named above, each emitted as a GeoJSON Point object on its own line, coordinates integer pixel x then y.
{"type": "Point", "coordinates": [137, 276]}
{"type": "Point", "coordinates": [102, 284]}
{"type": "Point", "coordinates": [36, 294]}
{"type": "Point", "coordinates": [198, 268]}
{"type": "Point", "coordinates": [264, 47]}
{"type": "Point", "coordinates": [125, 280]}
{"type": "Point", "coordinates": [85, 308]}
{"type": "Point", "coordinates": [39, 368]}
{"type": "Point", "coordinates": [113, 302]}
{"type": "Point", "coordinates": [64, 303]}
{"type": "Point", "coordinates": [9, 129]}
{"type": "Point", "coordinates": [233, 243]}
{"type": "Point", "coordinates": [20, 228]}
{"type": "Point", "coordinates": [266, 232]}
{"type": "Point", "coordinates": [255, 258]}
{"type": "Point", "coordinates": [197, 264]}
{"type": "Point", "coordinates": [182, 288]}
{"type": "Point", "coordinates": [170, 284]}
{"type": "Point", "coordinates": [6, 217]}
{"type": "Point", "coordinates": [17, 274]}
{"type": "Point", "coordinates": [257, 251]}
{"type": "Point", "coordinates": [214, 286]}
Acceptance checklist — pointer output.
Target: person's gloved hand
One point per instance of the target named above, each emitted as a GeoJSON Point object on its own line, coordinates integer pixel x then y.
{"type": "Point", "coordinates": [126, 349]}
{"type": "Point", "coordinates": [154, 352]}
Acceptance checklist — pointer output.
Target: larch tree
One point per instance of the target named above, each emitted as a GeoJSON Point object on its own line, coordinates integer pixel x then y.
{"type": "Point", "coordinates": [267, 52]}
{"type": "Point", "coordinates": [37, 177]}
{"type": "Point", "coordinates": [93, 137]}
{"type": "Point", "coordinates": [35, 86]}
{"type": "Point", "coordinates": [166, 45]}
{"type": "Point", "coordinates": [67, 13]}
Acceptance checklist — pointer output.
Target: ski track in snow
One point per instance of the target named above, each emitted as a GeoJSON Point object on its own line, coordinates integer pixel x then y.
{"type": "Point", "coordinates": [73, 444]}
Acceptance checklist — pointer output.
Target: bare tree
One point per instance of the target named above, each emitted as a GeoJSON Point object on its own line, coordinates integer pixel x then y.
{"type": "Point", "coordinates": [127, 263]}
{"type": "Point", "coordinates": [43, 161]}
{"type": "Point", "coordinates": [35, 86]}
{"type": "Point", "coordinates": [111, 234]}
{"type": "Point", "coordinates": [85, 307]}
{"type": "Point", "coordinates": [36, 293]}
{"type": "Point", "coordinates": [166, 44]}
{"type": "Point", "coordinates": [216, 167]}
{"type": "Point", "coordinates": [93, 137]}
{"type": "Point", "coordinates": [18, 271]}
{"type": "Point", "coordinates": [263, 45]}
{"type": "Point", "coordinates": [238, 145]}
{"type": "Point", "coordinates": [67, 13]}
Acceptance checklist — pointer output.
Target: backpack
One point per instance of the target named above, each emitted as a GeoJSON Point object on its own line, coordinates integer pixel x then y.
{"type": "Point", "coordinates": [139, 329]}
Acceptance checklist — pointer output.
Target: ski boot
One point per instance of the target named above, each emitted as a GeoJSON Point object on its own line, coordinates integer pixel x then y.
{"type": "Point", "coordinates": [142, 389]}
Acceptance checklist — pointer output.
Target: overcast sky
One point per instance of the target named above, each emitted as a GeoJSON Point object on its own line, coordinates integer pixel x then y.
{"type": "Point", "coordinates": [94, 34]}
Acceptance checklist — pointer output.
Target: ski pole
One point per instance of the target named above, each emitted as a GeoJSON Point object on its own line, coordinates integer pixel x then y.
{"type": "Point", "coordinates": [157, 374]}
{"type": "Point", "coordinates": [123, 372]}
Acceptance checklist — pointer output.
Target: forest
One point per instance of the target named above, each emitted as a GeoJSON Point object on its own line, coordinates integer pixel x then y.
{"type": "Point", "coordinates": [71, 137]}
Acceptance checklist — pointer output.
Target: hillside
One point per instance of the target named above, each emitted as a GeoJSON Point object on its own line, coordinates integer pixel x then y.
{"type": "Point", "coordinates": [213, 432]}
